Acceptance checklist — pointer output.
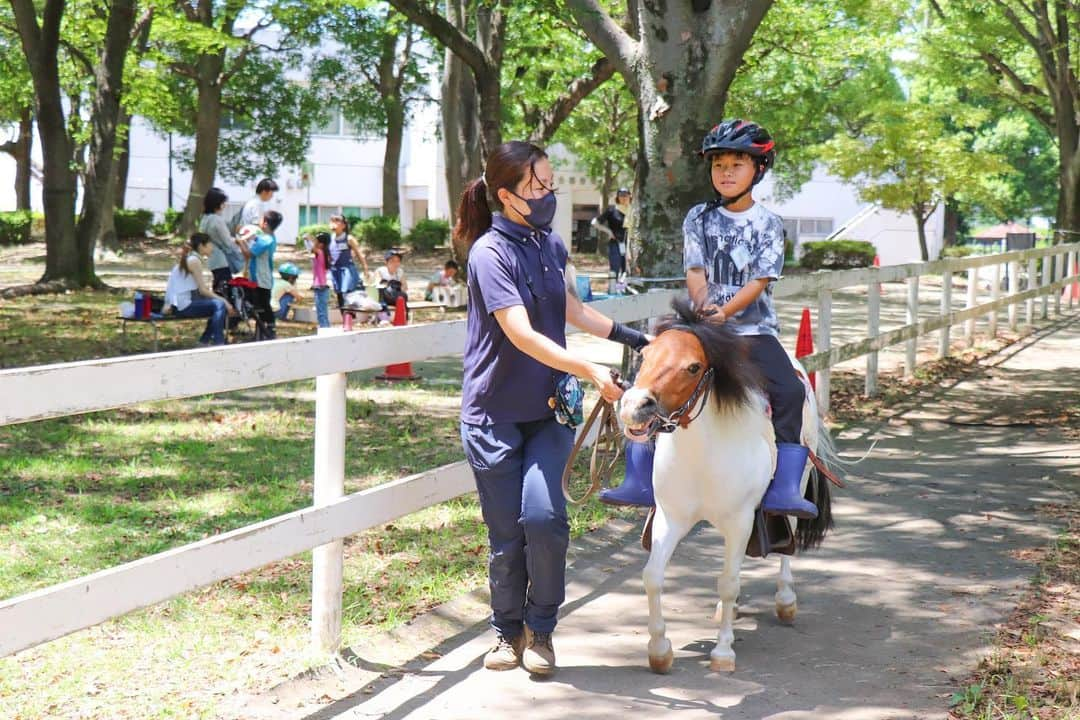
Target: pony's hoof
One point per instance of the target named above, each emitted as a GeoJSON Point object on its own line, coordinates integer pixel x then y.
{"type": "Point", "coordinates": [722, 662]}
{"type": "Point", "coordinates": [786, 613]}
{"type": "Point", "coordinates": [661, 659]}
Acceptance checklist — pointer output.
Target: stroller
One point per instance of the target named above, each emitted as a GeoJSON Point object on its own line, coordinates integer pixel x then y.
{"type": "Point", "coordinates": [247, 323]}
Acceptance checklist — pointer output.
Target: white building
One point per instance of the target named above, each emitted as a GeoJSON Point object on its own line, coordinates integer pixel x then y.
{"type": "Point", "coordinates": [346, 177]}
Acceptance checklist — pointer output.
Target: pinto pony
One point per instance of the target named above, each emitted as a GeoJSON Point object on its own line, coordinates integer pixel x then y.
{"type": "Point", "coordinates": [715, 455]}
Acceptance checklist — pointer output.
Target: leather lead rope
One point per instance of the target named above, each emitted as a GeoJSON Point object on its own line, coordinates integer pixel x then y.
{"type": "Point", "coordinates": [605, 451]}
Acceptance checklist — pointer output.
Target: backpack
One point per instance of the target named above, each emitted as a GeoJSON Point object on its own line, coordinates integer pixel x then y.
{"type": "Point", "coordinates": [388, 295]}
{"type": "Point", "coordinates": [235, 221]}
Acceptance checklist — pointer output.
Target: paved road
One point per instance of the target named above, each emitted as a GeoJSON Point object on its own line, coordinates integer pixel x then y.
{"type": "Point", "coordinates": [895, 608]}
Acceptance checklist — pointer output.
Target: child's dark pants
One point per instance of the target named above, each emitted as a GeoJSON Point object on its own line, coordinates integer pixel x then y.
{"type": "Point", "coordinates": [785, 389]}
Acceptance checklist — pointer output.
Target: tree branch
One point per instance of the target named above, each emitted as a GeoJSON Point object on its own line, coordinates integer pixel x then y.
{"type": "Point", "coordinates": [79, 55]}
{"type": "Point", "coordinates": [578, 90]}
{"type": "Point", "coordinates": [188, 10]}
{"type": "Point", "coordinates": [140, 33]}
{"type": "Point", "coordinates": [445, 33]}
{"type": "Point", "coordinates": [621, 49]}
{"type": "Point", "coordinates": [1046, 60]}
{"type": "Point", "coordinates": [1025, 90]}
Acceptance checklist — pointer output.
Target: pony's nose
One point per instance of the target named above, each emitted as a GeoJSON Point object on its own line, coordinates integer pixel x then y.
{"type": "Point", "coordinates": [638, 406]}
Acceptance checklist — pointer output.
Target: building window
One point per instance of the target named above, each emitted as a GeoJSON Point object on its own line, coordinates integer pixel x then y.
{"type": "Point", "coordinates": [815, 226]}
{"type": "Point", "coordinates": [335, 124]}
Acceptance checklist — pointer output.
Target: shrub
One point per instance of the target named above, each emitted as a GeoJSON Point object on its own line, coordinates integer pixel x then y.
{"type": "Point", "coordinates": [379, 232]}
{"type": "Point", "coordinates": [169, 223]}
{"type": "Point", "coordinates": [311, 230]}
{"type": "Point", "coordinates": [959, 251]}
{"type": "Point", "coordinates": [837, 254]}
{"type": "Point", "coordinates": [37, 224]}
{"type": "Point", "coordinates": [132, 223]}
{"type": "Point", "coordinates": [429, 234]}
{"type": "Point", "coordinates": [15, 227]}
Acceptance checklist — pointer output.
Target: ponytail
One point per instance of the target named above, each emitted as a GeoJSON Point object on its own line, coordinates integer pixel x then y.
{"type": "Point", "coordinates": [185, 251]}
{"type": "Point", "coordinates": [474, 213]}
{"type": "Point", "coordinates": [197, 241]}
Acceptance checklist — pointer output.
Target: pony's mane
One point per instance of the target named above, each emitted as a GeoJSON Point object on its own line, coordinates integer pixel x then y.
{"type": "Point", "coordinates": [735, 379]}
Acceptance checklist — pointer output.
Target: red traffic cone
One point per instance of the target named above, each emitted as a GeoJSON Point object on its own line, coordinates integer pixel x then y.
{"type": "Point", "coordinates": [804, 343]}
{"type": "Point", "coordinates": [877, 264]}
{"type": "Point", "coordinates": [399, 371]}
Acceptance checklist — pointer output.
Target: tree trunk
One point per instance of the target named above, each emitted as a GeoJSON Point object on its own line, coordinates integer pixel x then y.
{"type": "Point", "coordinates": [107, 238]}
{"type": "Point", "coordinates": [207, 134]}
{"type": "Point", "coordinates": [679, 68]}
{"type": "Point", "coordinates": [58, 196]}
{"type": "Point", "coordinates": [99, 181]}
{"type": "Point", "coordinates": [1068, 214]}
{"type": "Point", "coordinates": [952, 223]}
{"type": "Point", "coordinates": [461, 122]}
{"type": "Point", "coordinates": [920, 226]}
{"type": "Point", "coordinates": [395, 129]}
{"type": "Point", "coordinates": [41, 45]}
{"type": "Point", "coordinates": [123, 162]}
{"type": "Point", "coordinates": [23, 154]}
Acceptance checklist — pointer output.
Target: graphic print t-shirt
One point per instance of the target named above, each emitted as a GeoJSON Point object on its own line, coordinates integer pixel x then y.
{"type": "Point", "coordinates": [734, 248]}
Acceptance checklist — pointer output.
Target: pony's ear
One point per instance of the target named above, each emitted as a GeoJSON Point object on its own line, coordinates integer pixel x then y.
{"type": "Point", "coordinates": [684, 310]}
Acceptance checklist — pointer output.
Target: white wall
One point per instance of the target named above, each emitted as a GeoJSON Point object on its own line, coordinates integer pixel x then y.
{"type": "Point", "coordinates": [348, 172]}
{"type": "Point", "coordinates": [894, 235]}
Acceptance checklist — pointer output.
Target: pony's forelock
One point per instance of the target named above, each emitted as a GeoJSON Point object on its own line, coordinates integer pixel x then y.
{"type": "Point", "coordinates": [735, 379]}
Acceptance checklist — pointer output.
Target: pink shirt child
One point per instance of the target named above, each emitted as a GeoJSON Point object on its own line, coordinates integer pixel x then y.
{"type": "Point", "coordinates": [318, 269]}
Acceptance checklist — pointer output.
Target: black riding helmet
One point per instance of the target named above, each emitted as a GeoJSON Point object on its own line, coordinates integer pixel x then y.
{"type": "Point", "coordinates": [741, 136]}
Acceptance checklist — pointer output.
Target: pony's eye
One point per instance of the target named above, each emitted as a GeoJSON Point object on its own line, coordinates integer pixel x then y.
{"type": "Point", "coordinates": [694, 369]}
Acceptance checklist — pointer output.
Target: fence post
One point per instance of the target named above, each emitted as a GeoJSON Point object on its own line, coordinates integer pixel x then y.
{"type": "Point", "coordinates": [1014, 287]}
{"type": "Point", "coordinates": [327, 561]}
{"type": "Point", "coordinates": [1047, 264]}
{"type": "Point", "coordinates": [995, 293]}
{"type": "Point", "coordinates": [972, 297]}
{"type": "Point", "coordinates": [873, 323]}
{"type": "Point", "coordinates": [1032, 282]}
{"type": "Point", "coordinates": [946, 309]}
{"type": "Point", "coordinates": [1058, 274]}
{"type": "Point", "coordinates": [824, 340]}
{"type": "Point", "coordinates": [1070, 269]}
{"type": "Point", "coordinates": [912, 318]}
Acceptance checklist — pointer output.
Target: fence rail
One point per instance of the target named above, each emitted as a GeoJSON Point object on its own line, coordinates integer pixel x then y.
{"type": "Point", "coordinates": [66, 389]}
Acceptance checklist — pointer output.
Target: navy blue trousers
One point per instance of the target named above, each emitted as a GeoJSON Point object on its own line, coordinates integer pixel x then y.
{"type": "Point", "coordinates": [785, 389]}
{"type": "Point", "coordinates": [518, 469]}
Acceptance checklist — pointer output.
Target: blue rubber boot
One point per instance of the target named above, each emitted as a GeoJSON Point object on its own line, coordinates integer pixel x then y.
{"type": "Point", "coordinates": [636, 488]}
{"type": "Point", "coordinates": [782, 497]}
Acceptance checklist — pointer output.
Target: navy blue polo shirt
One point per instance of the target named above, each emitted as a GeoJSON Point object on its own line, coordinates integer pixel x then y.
{"type": "Point", "coordinates": [501, 383]}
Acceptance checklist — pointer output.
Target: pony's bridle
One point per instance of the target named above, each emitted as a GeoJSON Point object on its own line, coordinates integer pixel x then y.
{"type": "Point", "coordinates": [672, 421]}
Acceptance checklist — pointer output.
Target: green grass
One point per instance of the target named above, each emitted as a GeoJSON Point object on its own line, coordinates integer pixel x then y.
{"type": "Point", "coordinates": [85, 493]}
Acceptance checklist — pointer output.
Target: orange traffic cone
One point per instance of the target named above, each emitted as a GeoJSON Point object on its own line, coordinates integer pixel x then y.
{"type": "Point", "coordinates": [399, 371]}
{"type": "Point", "coordinates": [804, 344]}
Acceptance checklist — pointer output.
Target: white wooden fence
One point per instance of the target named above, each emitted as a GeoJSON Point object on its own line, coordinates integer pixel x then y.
{"type": "Point", "coordinates": [50, 391]}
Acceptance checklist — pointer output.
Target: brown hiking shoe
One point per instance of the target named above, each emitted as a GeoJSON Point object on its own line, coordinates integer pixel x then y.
{"type": "Point", "coordinates": [506, 655]}
{"type": "Point", "coordinates": [539, 655]}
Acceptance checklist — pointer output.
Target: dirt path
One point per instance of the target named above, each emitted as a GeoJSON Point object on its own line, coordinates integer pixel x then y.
{"type": "Point", "coordinates": [894, 610]}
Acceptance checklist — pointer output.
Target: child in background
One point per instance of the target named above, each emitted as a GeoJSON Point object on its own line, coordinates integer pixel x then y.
{"type": "Point", "coordinates": [261, 268]}
{"type": "Point", "coordinates": [285, 293]}
{"type": "Point", "coordinates": [444, 278]}
{"type": "Point", "coordinates": [320, 264]}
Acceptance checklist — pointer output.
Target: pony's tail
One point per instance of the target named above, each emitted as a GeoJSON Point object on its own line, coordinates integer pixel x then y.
{"type": "Point", "coordinates": [810, 533]}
